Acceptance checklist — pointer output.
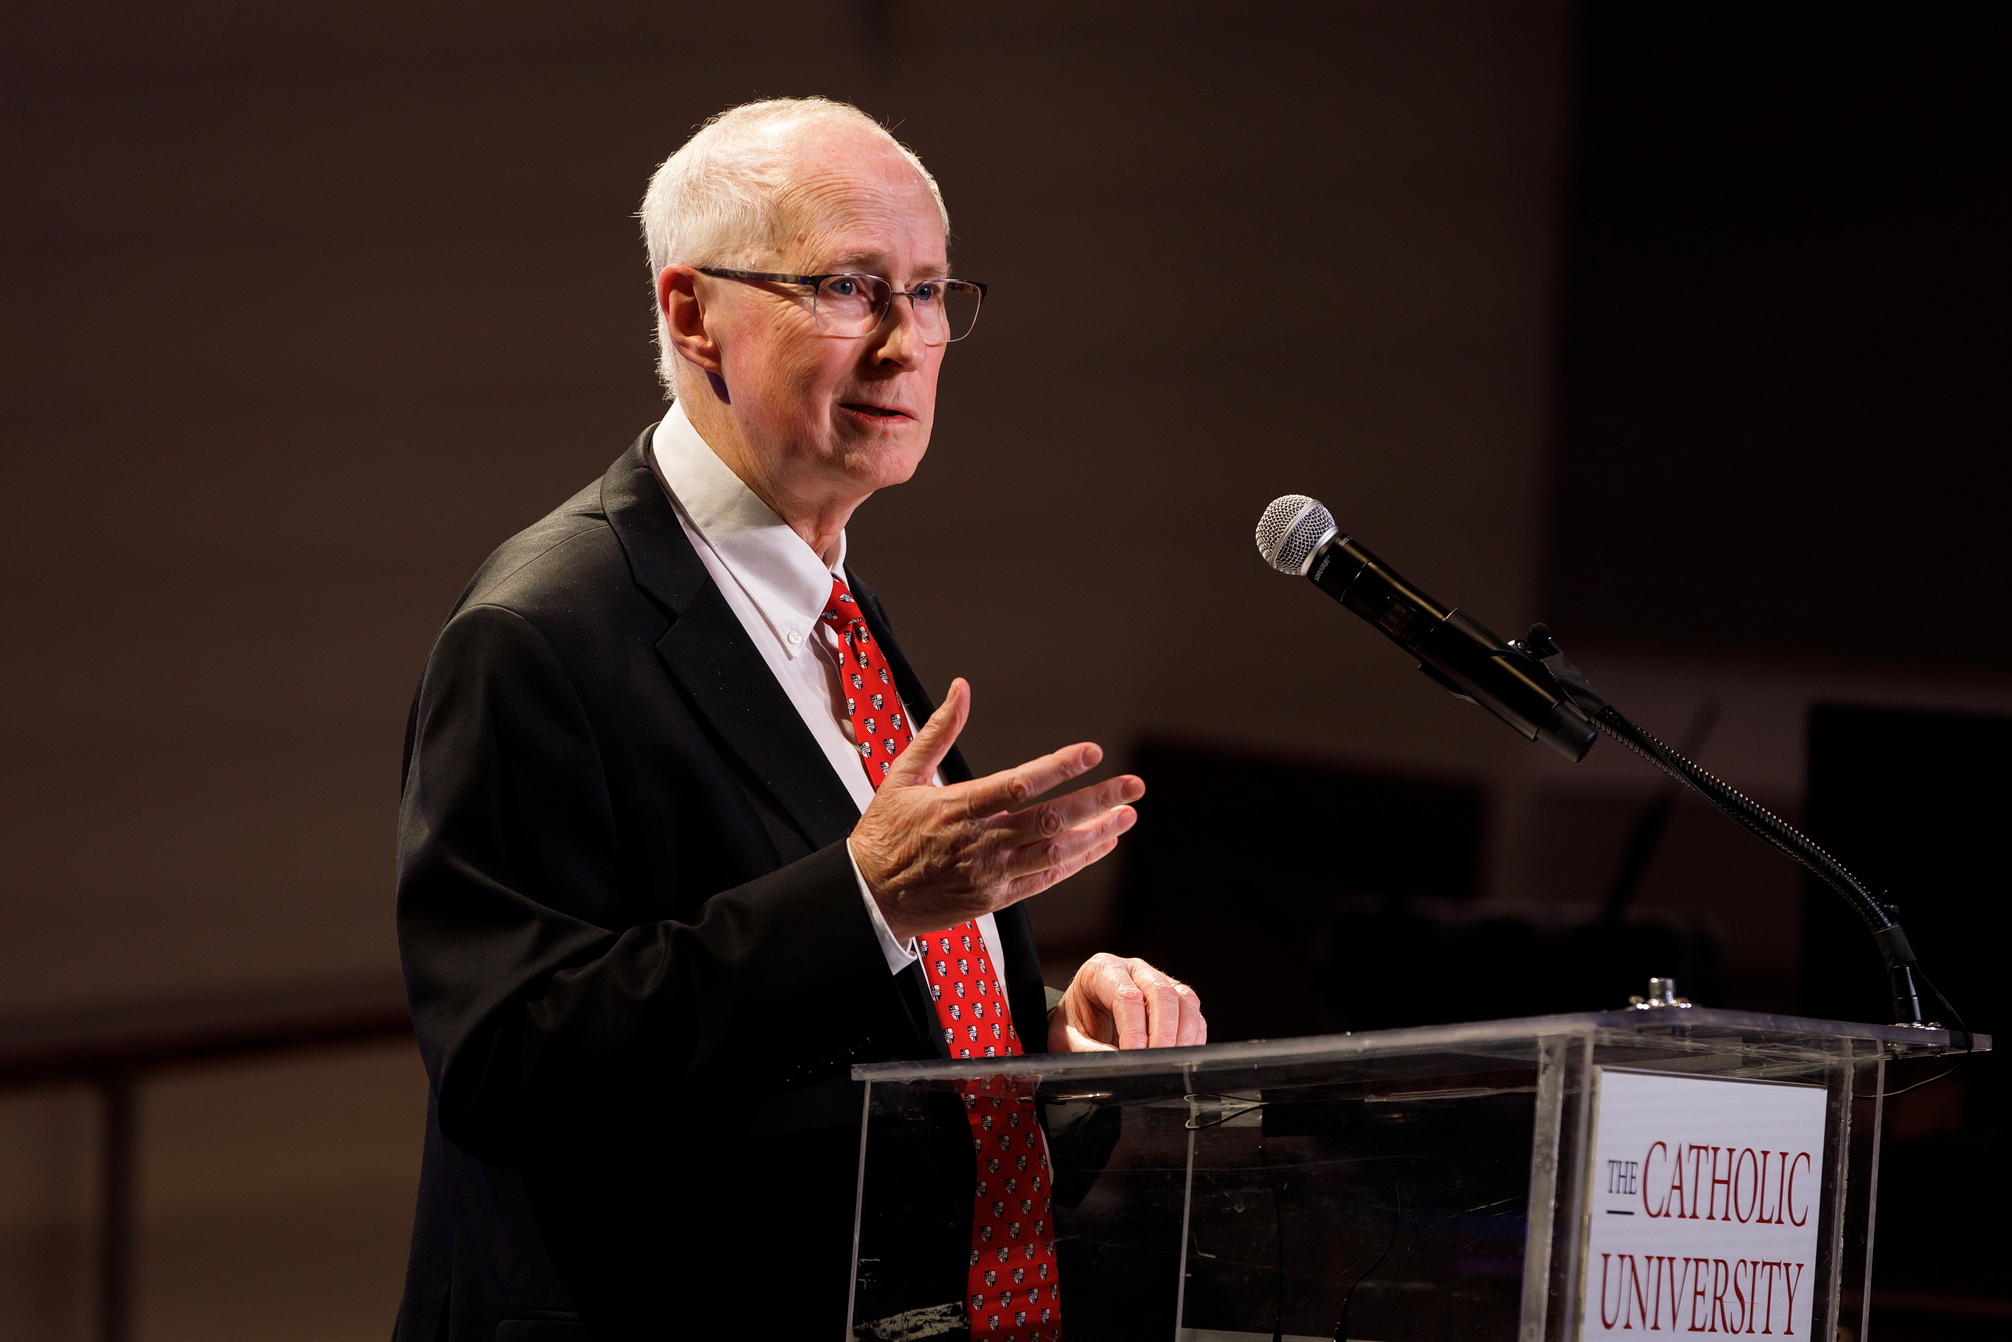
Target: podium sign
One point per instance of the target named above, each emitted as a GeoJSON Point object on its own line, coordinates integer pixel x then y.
{"type": "Point", "coordinates": [1702, 1214]}
{"type": "Point", "coordinates": [1553, 1179]}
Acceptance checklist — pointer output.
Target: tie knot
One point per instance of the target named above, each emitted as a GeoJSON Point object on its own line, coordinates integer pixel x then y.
{"type": "Point", "coordinates": [880, 729]}
{"type": "Point", "coordinates": [842, 610]}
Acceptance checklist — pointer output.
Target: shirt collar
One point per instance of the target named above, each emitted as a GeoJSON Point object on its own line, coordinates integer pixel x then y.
{"type": "Point", "coordinates": [784, 578]}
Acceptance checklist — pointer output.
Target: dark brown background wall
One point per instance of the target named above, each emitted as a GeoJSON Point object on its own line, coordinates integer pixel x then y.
{"type": "Point", "coordinates": [309, 307]}
{"type": "Point", "coordinates": [303, 309]}
{"type": "Point", "coordinates": [1785, 316]}
{"type": "Point", "coordinates": [313, 307]}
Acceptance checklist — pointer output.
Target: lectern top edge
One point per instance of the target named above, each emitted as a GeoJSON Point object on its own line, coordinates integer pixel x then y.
{"type": "Point", "coordinates": [1898, 1041]}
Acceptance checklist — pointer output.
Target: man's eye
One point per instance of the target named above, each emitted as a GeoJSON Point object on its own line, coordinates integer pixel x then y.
{"type": "Point", "coordinates": [843, 287]}
{"type": "Point", "coordinates": [926, 293]}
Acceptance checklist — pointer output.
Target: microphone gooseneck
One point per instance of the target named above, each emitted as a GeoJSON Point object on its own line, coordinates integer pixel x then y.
{"type": "Point", "coordinates": [1904, 977]}
{"type": "Point", "coordinates": [1533, 687]}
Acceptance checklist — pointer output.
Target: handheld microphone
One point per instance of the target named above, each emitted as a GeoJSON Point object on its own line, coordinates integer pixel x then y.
{"type": "Point", "coordinates": [1296, 535]}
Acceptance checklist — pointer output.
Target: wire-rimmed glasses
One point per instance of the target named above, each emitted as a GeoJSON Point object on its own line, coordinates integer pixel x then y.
{"type": "Point", "coordinates": [849, 303]}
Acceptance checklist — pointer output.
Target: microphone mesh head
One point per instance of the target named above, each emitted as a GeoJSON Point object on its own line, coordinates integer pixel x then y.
{"type": "Point", "coordinates": [1291, 529]}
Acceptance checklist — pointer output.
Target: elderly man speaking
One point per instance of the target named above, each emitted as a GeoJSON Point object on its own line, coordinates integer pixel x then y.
{"type": "Point", "coordinates": [683, 838]}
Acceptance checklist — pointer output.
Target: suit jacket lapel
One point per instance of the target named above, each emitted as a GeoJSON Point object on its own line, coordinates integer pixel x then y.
{"type": "Point", "coordinates": [712, 658]}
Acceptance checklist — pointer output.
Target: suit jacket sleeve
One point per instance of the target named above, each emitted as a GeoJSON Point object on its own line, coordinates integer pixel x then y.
{"type": "Point", "coordinates": [537, 995]}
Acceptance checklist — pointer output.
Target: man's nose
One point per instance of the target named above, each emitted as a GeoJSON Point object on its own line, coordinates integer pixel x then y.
{"type": "Point", "coordinates": [899, 337]}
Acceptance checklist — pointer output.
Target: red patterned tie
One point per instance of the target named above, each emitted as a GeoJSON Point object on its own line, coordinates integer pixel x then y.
{"type": "Point", "coordinates": [1013, 1291]}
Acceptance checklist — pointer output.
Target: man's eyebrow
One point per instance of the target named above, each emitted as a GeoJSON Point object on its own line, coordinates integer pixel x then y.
{"type": "Point", "coordinates": [872, 265]}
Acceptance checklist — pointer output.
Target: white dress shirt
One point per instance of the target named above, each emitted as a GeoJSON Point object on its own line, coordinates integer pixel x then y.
{"type": "Point", "coordinates": [777, 587]}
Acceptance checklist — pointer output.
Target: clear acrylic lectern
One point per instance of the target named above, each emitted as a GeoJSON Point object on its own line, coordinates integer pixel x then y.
{"type": "Point", "coordinates": [1555, 1177]}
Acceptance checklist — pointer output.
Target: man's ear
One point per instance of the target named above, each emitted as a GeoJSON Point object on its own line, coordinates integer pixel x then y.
{"type": "Point", "coordinates": [684, 317]}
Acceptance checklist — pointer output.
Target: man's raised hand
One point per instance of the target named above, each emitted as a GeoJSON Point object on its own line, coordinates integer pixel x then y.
{"type": "Point", "coordinates": [935, 857]}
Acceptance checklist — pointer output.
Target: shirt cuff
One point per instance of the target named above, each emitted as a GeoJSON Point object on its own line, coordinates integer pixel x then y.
{"type": "Point", "coordinates": [899, 957]}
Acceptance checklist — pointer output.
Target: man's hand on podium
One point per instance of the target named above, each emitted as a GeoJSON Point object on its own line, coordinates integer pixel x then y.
{"type": "Point", "coordinates": [1116, 1003]}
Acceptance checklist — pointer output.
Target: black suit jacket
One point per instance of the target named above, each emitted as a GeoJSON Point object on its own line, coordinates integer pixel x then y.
{"type": "Point", "coordinates": [638, 960]}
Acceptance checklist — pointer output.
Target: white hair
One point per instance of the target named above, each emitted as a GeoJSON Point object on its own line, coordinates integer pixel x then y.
{"type": "Point", "coordinates": [718, 200]}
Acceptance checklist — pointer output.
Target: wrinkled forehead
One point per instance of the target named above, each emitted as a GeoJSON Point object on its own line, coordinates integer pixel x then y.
{"type": "Point", "coordinates": [855, 203]}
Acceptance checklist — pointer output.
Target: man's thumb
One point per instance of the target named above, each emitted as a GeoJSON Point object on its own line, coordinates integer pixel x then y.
{"type": "Point", "coordinates": [925, 753]}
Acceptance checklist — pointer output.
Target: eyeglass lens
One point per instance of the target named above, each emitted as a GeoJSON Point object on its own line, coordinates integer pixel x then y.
{"type": "Point", "coordinates": [850, 305]}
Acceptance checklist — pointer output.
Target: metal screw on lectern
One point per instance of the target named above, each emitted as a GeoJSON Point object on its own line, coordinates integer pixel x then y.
{"type": "Point", "coordinates": [1662, 993]}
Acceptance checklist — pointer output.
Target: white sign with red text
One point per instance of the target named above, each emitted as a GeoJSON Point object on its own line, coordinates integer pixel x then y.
{"type": "Point", "coordinates": [1703, 1199]}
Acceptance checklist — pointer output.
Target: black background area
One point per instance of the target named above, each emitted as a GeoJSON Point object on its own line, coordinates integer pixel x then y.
{"type": "Point", "coordinates": [1914, 803]}
{"type": "Point", "coordinates": [1782, 419]}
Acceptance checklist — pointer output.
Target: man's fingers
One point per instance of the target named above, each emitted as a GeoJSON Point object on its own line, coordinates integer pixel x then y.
{"type": "Point", "coordinates": [1143, 1006]}
{"type": "Point", "coordinates": [1043, 855]}
{"type": "Point", "coordinates": [1175, 1008]}
{"type": "Point", "coordinates": [1051, 818]}
{"type": "Point", "coordinates": [1016, 848]}
{"type": "Point", "coordinates": [1010, 787]}
{"type": "Point", "coordinates": [1194, 1028]}
{"type": "Point", "coordinates": [1034, 882]}
{"type": "Point", "coordinates": [1168, 1011]}
{"type": "Point", "coordinates": [1127, 1005]}
{"type": "Point", "coordinates": [1082, 1043]}
{"type": "Point", "coordinates": [1163, 996]}
{"type": "Point", "coordinates": [918, 763]}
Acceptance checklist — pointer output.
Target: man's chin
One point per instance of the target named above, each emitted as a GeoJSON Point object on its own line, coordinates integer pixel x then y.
{"type": "Point", "coordinates": [882, 459]}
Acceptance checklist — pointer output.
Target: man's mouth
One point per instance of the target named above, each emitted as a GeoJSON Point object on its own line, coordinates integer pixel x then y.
{"type": "Point", "coordinates": [883, 413]}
